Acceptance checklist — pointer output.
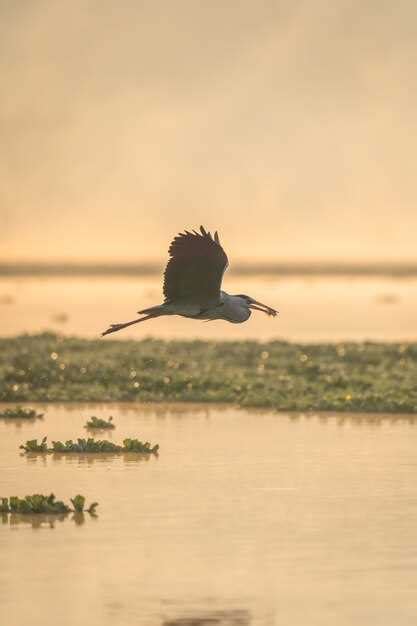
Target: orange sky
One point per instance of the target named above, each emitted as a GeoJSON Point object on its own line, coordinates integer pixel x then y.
{"type": "Point", "coordinates": [289, 126]}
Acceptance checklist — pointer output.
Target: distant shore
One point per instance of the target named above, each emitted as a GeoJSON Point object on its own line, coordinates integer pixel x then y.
{"type": "Point", "coordinates": [305, 268]}
{"type": "Point", "coordinates": [367, 377]}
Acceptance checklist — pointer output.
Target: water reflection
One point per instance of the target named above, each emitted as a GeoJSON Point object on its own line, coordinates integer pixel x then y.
{"type": "Point", "coordinates": [88, 458]}
{"type": "Point", "coordinates": [18, 422]}
{"type": "Point", "coordinates": [356, 419]}
{"type": "Point", "coordinates": [212, 618]}
{"type": "Point", "coordinates": [177, 410]}
{"type": "Point", "coordinates": [44, 520]}
{"type": "Point", "coordinates": [99, 432]}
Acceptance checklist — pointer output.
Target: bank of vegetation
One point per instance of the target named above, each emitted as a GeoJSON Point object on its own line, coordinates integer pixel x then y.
{"type": "Point", "coordinates": [276, 374]}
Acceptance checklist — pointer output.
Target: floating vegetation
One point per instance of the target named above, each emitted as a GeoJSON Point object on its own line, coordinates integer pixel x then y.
{"type": "Point", "coordinates": [78, 502]}
{"type": "Point", "coordinates": [38, 503]}
{"type": "Point", "coordinates": [99, 424]}
{"type": "Point", "coordinates": [89, 445]}
{"type": "Point", "coordinates": [19, 412]}
{"type": "Point", "coordinates": [344, 376]}
{"type": "Point", "coordinates": [33, 446]}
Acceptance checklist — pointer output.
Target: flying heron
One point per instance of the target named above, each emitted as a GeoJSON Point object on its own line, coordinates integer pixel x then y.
{"type": "Point", "coordinates": [192, 284]}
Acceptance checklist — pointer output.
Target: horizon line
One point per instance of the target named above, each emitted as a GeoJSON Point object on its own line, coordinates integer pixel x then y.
{"type": "Point", "coordinates": [149, 268]}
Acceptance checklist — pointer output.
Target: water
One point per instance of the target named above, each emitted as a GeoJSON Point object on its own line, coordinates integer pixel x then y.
{"type": "Point", "coordinates": [311, 308]}
{"type": "Point", "coordinates": [245, 518]}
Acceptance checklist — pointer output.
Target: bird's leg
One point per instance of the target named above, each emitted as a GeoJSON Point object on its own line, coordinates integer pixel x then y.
{"type": "Point", "coordinates": [115, 327]}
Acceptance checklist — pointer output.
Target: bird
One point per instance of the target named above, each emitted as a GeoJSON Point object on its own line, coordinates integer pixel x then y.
{"type": "Point", "coordinates": [192, 284]}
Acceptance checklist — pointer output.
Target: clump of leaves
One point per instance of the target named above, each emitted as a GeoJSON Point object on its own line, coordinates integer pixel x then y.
{"type": "Point", "coordinates": [78, 502]}
{"type": "Point", "coordinates": [21, 413]}
{"type": "Point", "coordinates": [97, 422]}
{"type": "Point", "coordinates": [134, 445]}
{"type": "Point", "coordinates": [90, 445]}
{"type": "Point", "coordinates": [84, 445]}
{"type": "Point", "coordinates": [38, 503]}
{"type": "Point", "coordinates": [32, 445]}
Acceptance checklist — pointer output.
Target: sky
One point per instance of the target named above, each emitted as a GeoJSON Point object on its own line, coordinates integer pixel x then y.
{"type": "Point", "coordinates": [290, 126]}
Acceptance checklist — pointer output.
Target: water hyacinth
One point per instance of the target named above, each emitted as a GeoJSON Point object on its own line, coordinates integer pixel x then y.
{"type": "Point", "coordinates": [32, 445]}
{"type": "Point", "coordinates": [78, 502]}
{"type": "Point", "coordinates": [99, 424]}
{"type": "Point", "coordinates": [19, 412]}
{"type": "Point", "coordinates": [377, 376]}
{"type": "Point", "coordinates": [89, 445]}
{"type": "Point", "coordinates": [38, 503]}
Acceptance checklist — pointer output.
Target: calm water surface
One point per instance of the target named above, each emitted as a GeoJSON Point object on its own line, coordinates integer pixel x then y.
{"type": "Point", "coordinates": [245, 518]}
{"type": "Point", "coordinates": [311, 308]}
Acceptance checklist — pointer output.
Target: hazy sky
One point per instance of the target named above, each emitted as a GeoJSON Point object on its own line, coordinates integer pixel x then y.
{"type": "Point", "coordinates": [290, 126]}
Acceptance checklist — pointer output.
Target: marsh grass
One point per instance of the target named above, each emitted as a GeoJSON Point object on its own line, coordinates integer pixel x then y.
{"type": "Point", "coordinates": [96, 423]}
{"type": "Point", "coordinates": [38, 503]}
{"type": "Point", "coordinates": [19, 412]}
{"type": "Point", "coordinates": [286, 376]}
{"type": "Point", "coordinates": [82, 446]}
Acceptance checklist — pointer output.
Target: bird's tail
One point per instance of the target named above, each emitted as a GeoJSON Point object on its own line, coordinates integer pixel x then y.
{"type": "Point", "coordinates": [153, 310]}
{"type": "Point", "coordinates": [115, 327]}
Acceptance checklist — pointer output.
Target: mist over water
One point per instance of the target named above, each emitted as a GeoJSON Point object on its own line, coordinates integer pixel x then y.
{"type": "Point", "coordinates": [289, 126]}
{"type": "Point", "coordinates": [311, 308]}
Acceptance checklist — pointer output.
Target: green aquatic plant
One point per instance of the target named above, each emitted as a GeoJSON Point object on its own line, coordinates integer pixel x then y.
{"type": "Point", "coordinates": [78, 502]}
{"type": "Point", "coordinates": [134, 445]}
{"type": "Point", "coordinates": [343, 376]}
{"type": "Point", "coordinates": [4, 505]}
{"type": "Point", "coordinates": [100, 424]}
{"type": "Point", "coordinates": [90, 445]}
{"type": "Point", "coordinates": [84, 445]}
{"type": "Point", "coordinates": [38, 503]}
{"type": "Point", "coordinates": [20, 413]}
{"type": "Point", "coordinates": [32, 445]}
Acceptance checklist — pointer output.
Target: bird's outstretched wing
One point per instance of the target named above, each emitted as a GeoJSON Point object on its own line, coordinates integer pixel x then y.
{"type": "Point", "coordinates": [195, 269]}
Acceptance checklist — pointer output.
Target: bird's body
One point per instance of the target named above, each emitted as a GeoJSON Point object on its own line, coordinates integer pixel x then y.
{"type": "Point", "coordinates": [192, 284]}
{"type": "Point", "coordinates": [231, 308]}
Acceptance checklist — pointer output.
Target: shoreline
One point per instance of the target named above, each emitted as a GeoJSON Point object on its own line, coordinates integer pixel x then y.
{"type": "Point", "coordinates": [186, 408]}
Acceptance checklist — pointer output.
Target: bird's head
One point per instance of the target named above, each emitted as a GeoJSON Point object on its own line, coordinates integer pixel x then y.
{"type": "Point", "coordinates": [257, 306]}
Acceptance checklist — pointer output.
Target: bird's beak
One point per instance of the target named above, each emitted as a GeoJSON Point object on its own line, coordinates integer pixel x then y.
{"type": "Point", "coordinates": [262, 307]}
